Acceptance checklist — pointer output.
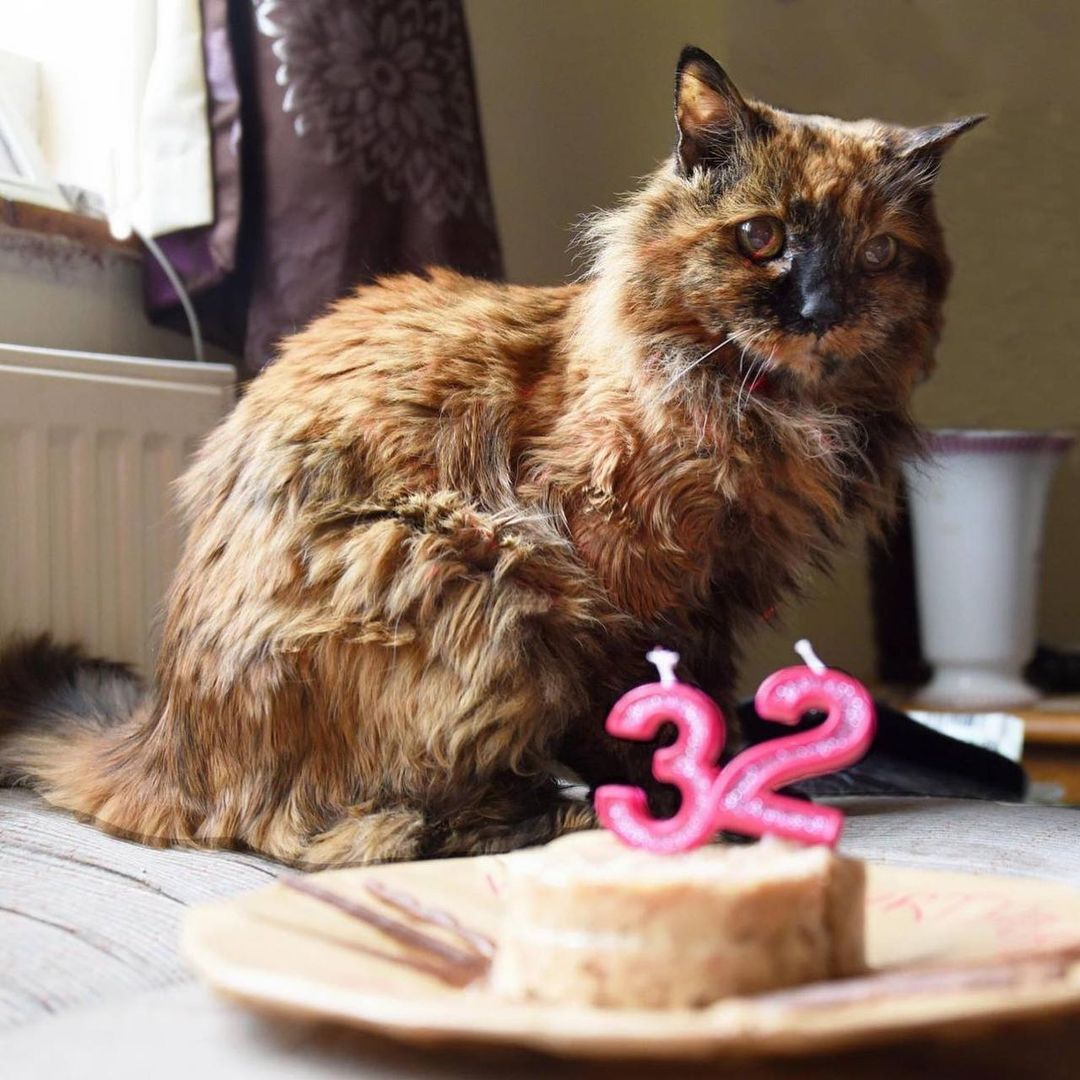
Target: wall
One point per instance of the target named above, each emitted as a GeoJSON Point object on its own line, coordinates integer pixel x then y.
{"type": "Point", "coordinates": [57, 294]}
{"type": "Point", "coordinates": [575, 100]}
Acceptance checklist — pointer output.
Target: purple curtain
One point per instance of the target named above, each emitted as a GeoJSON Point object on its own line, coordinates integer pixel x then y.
{"type": "Point", "coordinates": [346, 144]}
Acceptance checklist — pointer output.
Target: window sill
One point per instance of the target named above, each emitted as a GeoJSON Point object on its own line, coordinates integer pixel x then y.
{"type": "Point", "coordinates": [90, 233]}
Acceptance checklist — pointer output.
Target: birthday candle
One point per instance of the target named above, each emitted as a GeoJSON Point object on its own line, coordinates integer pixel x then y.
{"type": "Point", "coordinates": [689, 763]}
{"type": "Point", "coordinates": [741, 796]}
{"type": "Point", "coordinates": [747, 784]}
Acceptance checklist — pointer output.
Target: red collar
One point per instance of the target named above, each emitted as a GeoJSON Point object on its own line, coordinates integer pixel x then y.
{"type": "Point", "coordinates": [760, 385]}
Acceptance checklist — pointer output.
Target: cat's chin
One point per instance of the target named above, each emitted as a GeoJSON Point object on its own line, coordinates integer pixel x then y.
{"type": "Point", "coordinates": [793, 367]}
{"type": "Point", "coordinates": [805, 354]}
{"type": "Point", "coordinates": [810, 362]}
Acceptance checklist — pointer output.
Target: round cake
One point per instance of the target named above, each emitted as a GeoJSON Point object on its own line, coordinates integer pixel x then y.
{"type": "Point", "coordinates": [588, 920]}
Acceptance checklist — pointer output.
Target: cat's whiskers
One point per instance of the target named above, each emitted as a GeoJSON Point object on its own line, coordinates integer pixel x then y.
{"type": "Point", "coordinates": [744, 346]}
{"type": "Point", "coordinates": [757, 369]}
{"type": "Point", "coordinates": [746, 342]}
{"type": "Point", "coordinates": [739, 394]}
{"type": "Point", "coordinates": [875, 362]}
{"type": "Point", "coordinates": [694, 363]}
{"type": "Point", "coordinates": [746, 380]}
{"type": "Point", "coordinates": [736, 337]}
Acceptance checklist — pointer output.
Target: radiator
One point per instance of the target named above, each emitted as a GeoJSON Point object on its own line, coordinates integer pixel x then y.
{"type": "Point", "coordinates": [89, 448]}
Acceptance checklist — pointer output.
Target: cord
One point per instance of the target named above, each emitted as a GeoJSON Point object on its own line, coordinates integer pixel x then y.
{"type": "Point", "coordinates": [182, 294]}
{"type": "Point", "coordinates": [121, 228]}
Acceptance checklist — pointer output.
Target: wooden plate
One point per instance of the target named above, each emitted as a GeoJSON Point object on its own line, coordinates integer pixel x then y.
{"type": "Point", "coordinates": [285, 951]}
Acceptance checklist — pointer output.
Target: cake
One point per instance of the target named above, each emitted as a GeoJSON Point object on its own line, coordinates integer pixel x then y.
{"type": "Point", "coordinates": [590, 921]}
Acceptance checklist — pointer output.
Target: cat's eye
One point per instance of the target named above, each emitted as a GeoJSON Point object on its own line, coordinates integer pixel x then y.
{"type": "Point", "coordinates": [761, 237]}
{"type": "Point", "coordinates": [878, 253]}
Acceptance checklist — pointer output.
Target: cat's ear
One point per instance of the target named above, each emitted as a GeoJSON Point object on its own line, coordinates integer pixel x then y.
{"type": "Point", "coordinates": [924, 147]}
{"type": "Point", "coordinates": [710, 113]}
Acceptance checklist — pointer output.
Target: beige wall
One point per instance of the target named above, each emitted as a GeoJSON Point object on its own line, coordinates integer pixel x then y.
{"type": "Point", "coordinates": [57, 294]}
{"type": "Point", "coordinates": [575, 97]}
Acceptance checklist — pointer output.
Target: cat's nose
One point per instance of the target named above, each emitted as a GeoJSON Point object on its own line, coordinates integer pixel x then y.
{"type": "Point", "coordinates": [820, 310]}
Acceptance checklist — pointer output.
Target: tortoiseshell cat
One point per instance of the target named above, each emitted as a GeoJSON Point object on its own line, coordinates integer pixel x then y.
{"type": "Point", "coordinates": [434, 540]}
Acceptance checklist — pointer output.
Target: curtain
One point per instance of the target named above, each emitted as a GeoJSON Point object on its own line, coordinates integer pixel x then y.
{"type": "Point", "coordinates": [345, 145]}
{"type": "Point", "coordinates": [162, 171]}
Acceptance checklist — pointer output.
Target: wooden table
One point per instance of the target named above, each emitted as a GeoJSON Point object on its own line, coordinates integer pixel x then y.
{"type": "Point", "coordinates": [1052, 745]}
{"type": "Point", "coordinates": [91, 985]}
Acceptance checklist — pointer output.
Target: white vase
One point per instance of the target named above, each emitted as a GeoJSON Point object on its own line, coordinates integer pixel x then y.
{"type": "Point", "coordinates": [978, 501]}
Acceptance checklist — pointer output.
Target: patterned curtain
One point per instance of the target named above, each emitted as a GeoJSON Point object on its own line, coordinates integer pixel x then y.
{"type": "Point", "coordinates": [346, 145]}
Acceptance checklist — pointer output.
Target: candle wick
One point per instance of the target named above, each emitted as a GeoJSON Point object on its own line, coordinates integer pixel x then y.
{"type": "Point", "coordinates": [809, 657]}
{"type": "Point", "coordinates": [664, 660]}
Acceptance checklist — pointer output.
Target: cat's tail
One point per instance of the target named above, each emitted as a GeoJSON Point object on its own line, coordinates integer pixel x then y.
{"type": "Point", "coordinates": [62, 715]}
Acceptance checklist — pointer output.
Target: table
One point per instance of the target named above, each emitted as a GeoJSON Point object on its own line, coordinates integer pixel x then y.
{"type": "Point", "coordinates": [91, 985]}
{"type": "Point", "coordinates": [1052, 746]}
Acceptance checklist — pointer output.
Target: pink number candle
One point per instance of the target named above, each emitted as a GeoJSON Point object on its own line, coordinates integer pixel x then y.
{"type": "Point", "coordinates": [740, 797]}
{"type": "Point", "coordinates": [689, 762]}
{"type": "Point", "coordinates": [746, 789]}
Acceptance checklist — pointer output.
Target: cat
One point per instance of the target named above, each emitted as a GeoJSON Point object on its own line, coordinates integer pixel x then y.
{"type": "Point", "coordinates": [434, 540]}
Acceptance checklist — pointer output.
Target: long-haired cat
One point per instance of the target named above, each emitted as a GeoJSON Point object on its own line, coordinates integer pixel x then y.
{"type": "Point", "coordinates": [434, 540]}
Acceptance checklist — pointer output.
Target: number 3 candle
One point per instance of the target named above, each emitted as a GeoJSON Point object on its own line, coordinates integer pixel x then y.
{"type": "Point", "coordinates": [741, 796]}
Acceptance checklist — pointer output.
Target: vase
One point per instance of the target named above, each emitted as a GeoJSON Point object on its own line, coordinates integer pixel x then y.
{"type": "Point", "coordinates": [978, 502]}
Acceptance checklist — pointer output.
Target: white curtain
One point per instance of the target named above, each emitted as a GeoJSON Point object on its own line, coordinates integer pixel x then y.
{"type": "Point", "coordinates": [162, 171]}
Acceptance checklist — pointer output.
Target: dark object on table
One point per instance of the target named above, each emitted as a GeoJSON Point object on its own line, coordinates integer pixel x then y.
{"type": "Point", "coordinates": [1054, 671]}
{"type": "Point", "coordinates": [907, 758]}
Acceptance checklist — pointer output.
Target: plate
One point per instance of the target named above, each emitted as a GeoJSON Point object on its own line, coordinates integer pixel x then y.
{"type": "Point", "coordinates": [1000, 949]}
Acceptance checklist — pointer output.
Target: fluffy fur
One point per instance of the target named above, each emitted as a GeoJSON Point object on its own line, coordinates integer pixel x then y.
{"type": "Point", "coordinates": [434, 540]}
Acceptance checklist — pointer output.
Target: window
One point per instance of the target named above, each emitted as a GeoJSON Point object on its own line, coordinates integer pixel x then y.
{"type": "Point", "coordinates": [24, 174]}
{"type": "Point", "coordinates": [95, 98]}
